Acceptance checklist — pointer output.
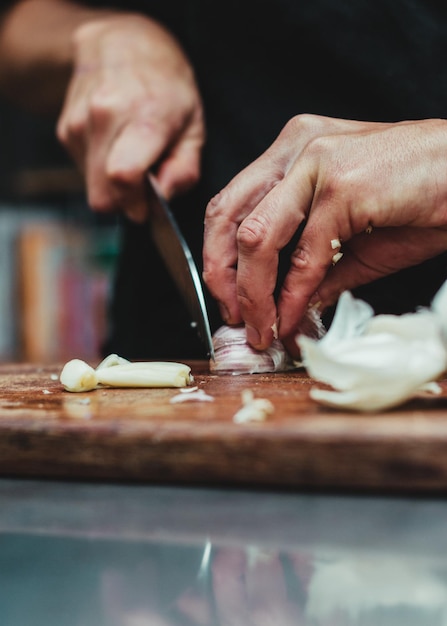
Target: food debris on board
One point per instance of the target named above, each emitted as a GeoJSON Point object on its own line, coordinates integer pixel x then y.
{"type": "Point", "coordinates": [377, 362]}
{"type": "Point", "coordinates": [253, 409]}
{"type": "Point", "coordinates": [115, 371]}
{"type": "Point", "coordinates": [191, 395]}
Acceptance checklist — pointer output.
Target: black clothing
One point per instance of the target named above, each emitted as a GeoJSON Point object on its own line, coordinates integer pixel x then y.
{"type": "Point", "coordinates": [258, 64]}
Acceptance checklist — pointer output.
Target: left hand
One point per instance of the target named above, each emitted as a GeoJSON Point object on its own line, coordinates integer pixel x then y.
{"type": "Point", "coordinates": [340, 178]}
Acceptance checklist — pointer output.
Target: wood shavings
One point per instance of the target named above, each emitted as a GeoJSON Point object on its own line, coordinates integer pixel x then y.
{"type": "Point", "coordinates": [253, 409]}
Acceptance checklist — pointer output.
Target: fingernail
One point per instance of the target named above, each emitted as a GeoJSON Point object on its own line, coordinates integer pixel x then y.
{"type": "Point", "coordinates": [253, 337]}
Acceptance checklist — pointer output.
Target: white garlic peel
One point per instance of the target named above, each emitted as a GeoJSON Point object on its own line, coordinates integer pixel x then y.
{"type": "Point", "coordinates": [377, 362]}
{"type": "Point", "coordinates": [114, 371]}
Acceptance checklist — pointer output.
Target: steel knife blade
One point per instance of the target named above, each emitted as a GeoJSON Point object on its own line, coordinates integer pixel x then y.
{"type": "Point", "coordinates": [176, 254]}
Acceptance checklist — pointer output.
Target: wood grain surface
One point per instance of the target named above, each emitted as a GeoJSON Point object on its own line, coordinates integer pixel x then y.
{"type": "Point", "coordinates": [137, 435]}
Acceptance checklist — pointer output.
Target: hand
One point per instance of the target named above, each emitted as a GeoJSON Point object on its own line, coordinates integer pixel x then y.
{"type": "Point", "coordinates": [132, 104]}
{"type": "Point", "coordinates": [380, 189]}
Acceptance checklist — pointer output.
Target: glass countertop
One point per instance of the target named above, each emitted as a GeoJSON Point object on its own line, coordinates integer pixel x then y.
{"type": "Point", "coordinates": [95, 554]}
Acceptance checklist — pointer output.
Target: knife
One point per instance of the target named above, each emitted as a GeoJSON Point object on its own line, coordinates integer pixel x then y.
{"type": "Point", "coordinates": [179, 261]}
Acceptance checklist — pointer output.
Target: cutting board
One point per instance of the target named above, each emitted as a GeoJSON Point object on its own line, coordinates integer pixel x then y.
{"type": "Point", "coordinates": [138, 435]}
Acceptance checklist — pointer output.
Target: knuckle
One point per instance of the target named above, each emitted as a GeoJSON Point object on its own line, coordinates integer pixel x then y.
{"type": "Point", "coordinates": [246, 302]}
{"type": "Point", "coordinates": [215, 207]}
{"type": "Point", "coordinates": [252, 232]}
{"type": "Point", "coordinates": [71, 126]}
{"type": "Point", "coordinates": [105, 104]}
{"type": "Point", "coordinates": [303, 124]}
{"type": "Point", "coordinates": [119, 174]}
{"type": "Point", "coordinates": [319, 145]}
{"type": "Point", "coordinates": [303, 259]}
{"type": "Point", "coordinates": [300, 259]}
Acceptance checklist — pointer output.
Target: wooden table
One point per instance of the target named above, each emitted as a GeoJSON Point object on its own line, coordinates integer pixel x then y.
{"type": "Point", "coordinates": [137, 435]}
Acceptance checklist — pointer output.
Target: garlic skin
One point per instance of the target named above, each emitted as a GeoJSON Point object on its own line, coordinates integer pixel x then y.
{"type": "Point", "coordinates": [377, 362]}
{"type": "Point", "coordinates": [78, 376]}
{"type": "Point", "coordinates": [233, 355]}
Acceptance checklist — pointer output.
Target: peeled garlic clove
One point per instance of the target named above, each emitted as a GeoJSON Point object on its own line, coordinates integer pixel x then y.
{"type": "Point", "coordinates": [112, 360]}
{"type": "Point", "coordinates": [146, 375]}
{"type": "Point", "coordinates": [77, 375]}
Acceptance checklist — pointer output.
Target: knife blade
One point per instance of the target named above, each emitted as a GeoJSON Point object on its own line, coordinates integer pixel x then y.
{"type": "Point", "coordinates": [178, 260]}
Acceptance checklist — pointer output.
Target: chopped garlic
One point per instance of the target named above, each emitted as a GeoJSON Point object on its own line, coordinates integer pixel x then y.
{"type": "Point", "coordinates": [114, 371]}
{"type": "Point", "coordinates": [336, 257]}
{"type": "Point", "coordinates": [335, 243]}
{"type": "Point", "coordinates": [253, 409]}
{"type": "Point", "coordinates": [198, 395]}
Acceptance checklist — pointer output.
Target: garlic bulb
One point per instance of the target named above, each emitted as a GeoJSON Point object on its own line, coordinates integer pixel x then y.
{"type": "Point", "coordinates": [377, 362]}
{"type": "Point", "coordinates": [234, 355]}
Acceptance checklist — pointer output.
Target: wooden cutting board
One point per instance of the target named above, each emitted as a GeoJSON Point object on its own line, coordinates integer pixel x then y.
{"type": "Point", "coordinates": [138, 435]}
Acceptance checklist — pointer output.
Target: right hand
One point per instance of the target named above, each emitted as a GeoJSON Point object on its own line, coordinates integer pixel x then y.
{"type": "Point", "coordinates": [132, 105]}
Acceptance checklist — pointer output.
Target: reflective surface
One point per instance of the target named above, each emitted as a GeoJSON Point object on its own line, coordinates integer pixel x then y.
{"type": "Point", "coordinates": [74, 554]}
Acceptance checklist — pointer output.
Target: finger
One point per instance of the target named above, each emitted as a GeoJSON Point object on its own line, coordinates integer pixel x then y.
{"type": "Point", "coordinates": [318, 249]}
{"type": "Point", "coordinates": [180, 167]}
{"type": "Point", "coordinates": [223, 215]}
{"type": "Point", "coordinates": [261, 236]}
{"type": "Point", "coordinates": [371, 256]}
{"type": "Point", "coordinates": [72, 123]}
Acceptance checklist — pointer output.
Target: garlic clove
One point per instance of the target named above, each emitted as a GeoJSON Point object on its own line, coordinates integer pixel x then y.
{"type": "Point", "coordinates": [112, 360]}
{"type": "Point", "coordinates": [146, 375]}
{"type": "Point", "coordinates": [77, 375]}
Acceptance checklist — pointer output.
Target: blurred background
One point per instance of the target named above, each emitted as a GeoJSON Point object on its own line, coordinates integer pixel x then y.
{"type": "Point", "coordinates": [56, 256]}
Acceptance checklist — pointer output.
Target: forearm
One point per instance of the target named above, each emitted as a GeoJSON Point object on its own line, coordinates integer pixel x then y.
{"type": "Point", "coordinates": [36, 51]}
